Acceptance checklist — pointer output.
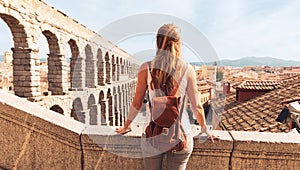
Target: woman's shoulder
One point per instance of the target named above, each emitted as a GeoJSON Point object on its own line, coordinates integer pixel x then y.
{"type": "Point", "coordinates": [144, 66]}
{"type": "Point", "coordinates": [190, 71]}
{"type": "Point", "coordinates": [189, 67]}
{"type": "Point", "coordinates": [147, 63]}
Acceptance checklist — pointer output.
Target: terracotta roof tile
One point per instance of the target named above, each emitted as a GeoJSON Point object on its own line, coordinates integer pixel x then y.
{"type": "Point", "coordinates": [258, 113]}
{"type": "Point", "coordinates": [259, 85]}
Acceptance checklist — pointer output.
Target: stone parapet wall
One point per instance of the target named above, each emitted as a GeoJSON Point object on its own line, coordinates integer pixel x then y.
{"type": "Point", "coordinates": [32, 137]}
{"type": "Point", "coordinates": [264, 150]}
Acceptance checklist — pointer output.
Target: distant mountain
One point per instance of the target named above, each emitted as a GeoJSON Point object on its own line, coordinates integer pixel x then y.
{"type": "Point", "coordinates": [43, 59]}
{"type": "Point", "coordinates": [1, 58]}
{"type": "Point", "coordinates": [253, 61]}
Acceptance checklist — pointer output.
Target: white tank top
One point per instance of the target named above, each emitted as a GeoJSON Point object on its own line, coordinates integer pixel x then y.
{"type": "Point", "coordinates": [181, 92]}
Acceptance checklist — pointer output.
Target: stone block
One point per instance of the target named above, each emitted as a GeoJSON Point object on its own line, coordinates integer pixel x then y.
{"type": "Point", "coordinates": [208, 155]}
{"type": "Point", "coordinates": [21, 72]}
{"type": "Point", "coordinates": [104, 149]}
{"type": "Point", "coordinates": [31, 140]}
{"type": "Point", "coordinates": [264, 150]}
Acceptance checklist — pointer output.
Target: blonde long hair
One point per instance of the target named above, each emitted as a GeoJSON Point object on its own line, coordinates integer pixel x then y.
{"type": "Point", "coordinates": [168, 53]}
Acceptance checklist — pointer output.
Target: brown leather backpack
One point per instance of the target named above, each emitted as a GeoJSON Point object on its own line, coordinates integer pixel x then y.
{"type": "Point", "coordinates": [165, 131]}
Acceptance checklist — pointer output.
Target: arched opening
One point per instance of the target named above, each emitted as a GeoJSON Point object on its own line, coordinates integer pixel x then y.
{"type": "Point", "coordinates": [92, 107]}
{"type": "Point", "coordinates": [120, 106]}
{"type": "Point", "coordinates": [122, 66]}
{"type": "Point", "coordinates": [75, 65]}
{"type": "Point", "coordinates": [130, 71]}
{"type": "Point", "coordinates": [123, 102]}
{"type": "Point", "coordinates": [100, 66]}
{"type": "Point", "coordinates": [77, 110]}
{"type": "Point", "coordinates": [57, 109]}
{"type": "Point", "coordinates": [56, 65]}
{"type": "Point", "coordinates": [126, 67]}
{"type": "Point", "coordinates": [89, 67]}
{"type": "Point", "coordinates": [110, 109]}
{"type": "Point", "coordinates": [43, 52]}
{"type": "Point", "coordinates": [107, 69]}
{"type": "Point", "coordinates": [116, 109]}
{"type": "Point", "coordinates": [68, 56]}
{"type": "Point", "coordinates": [126, 99]}
{"type": "Point", "coordinates": [22, 86]}
{"type": "Point", "coordinates": [118, 69]}
{"type": "Point", "coordinates": [102, 108]}
{"type": "Point", "coordinates": [114, 75]}
{"type": "Point", "coordinates": [6, 43]}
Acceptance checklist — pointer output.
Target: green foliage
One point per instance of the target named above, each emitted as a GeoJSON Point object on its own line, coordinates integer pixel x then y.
{"type": "Point", "coordinates": [219, 75]}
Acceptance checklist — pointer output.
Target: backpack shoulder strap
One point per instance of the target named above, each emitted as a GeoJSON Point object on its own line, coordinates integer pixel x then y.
{"type": "Point", "coordinates": [148, 97]}
{"type": "Point", "coordinates": [179, 80]}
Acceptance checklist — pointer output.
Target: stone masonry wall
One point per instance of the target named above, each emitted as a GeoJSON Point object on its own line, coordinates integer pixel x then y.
{"type": "Point", "coordinates": [33, 137]}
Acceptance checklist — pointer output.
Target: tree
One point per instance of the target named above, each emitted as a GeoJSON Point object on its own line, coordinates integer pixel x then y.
{"type": "Point", "coordinates": [219, 75]}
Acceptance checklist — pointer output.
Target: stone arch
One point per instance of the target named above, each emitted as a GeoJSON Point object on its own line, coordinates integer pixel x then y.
{"type": "Point", "coordinates": [17, 29]}
{"type": "Point", "coordinates": [107, 68]}
{"type": "Point", "coordinates": [118, 69]}
{"type": "Point", "coordinates": [122, 66]}
{"type": "Point", "coordinates": [132, 89]}
{"type": "Point", "coordinates": [92, 107]}
{"type": "Point", "coordinates": [126, 67]}
{"type": "Point", "coordinates": [127, 99]}
{"type": "Point", "coordinates": [57, 109]}
{"type": "Point", "coordinates": [121, 114]}
{"type": "Point", "coordinates": [100, 66]}
{"type": "Point", "coordinates": [90, 67]}
{"type": "Point", "coordinates": [52, 42]}
{"type": "Point", "coordinates": [129, 70]}
{"type": "Point", "coordinates": [74, 71]}
{"type": "Point", "coordinates": [113, 69]}
{"type": "Point", "coordinates": [74, 48]}
{"type": "Point", "coordinates": [110, 107]}
{"type": "Point", "coordinates": [115, 106]}
{"type": "Point", "coordinates": [23, 56]}
{"type": "Point", "coordinates": [123, 101]}
{"type": "Point", "coordinates": [102, 107]}
{"type": "Point", "coordinates": [77, 110]}
{"type": "Point", "coordinates": [56, 65]}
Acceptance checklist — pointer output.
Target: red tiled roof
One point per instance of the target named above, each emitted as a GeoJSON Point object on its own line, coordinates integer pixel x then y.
{"type": "Point", "coordinates": [207, 87]}
{"type": "Point", "coordinates": [258, 113]}
{"type": "Point", "coordinates": [259, 85]}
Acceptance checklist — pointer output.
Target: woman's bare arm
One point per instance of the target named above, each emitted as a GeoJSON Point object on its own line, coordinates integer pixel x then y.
{"type": "Point", "coordinates": [138, 98]}
{"type": "Point", "coordinates": [194, 97]}
{"type": "Point", "coordinates": [196, 105]}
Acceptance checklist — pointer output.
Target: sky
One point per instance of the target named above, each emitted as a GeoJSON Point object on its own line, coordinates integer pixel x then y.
{"type": "Point", "coordinates": [234, 28]}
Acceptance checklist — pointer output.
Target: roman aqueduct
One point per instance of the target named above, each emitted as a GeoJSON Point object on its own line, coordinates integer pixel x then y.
{"type": "Point", "coordinates": [102, 76]}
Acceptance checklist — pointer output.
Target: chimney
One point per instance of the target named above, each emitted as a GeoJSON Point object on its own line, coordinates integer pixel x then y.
{"type": "Point", "coordinates": [226, 88]}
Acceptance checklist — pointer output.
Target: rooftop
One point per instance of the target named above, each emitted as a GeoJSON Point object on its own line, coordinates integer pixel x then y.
{"type": "Point", "coordinates": [258, 113]}
{"type": "Point", "coordinates": [259, 85]}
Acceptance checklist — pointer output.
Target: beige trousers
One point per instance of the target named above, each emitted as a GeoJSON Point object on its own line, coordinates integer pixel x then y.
{"type": "Point", "coordinates": [153, 158]}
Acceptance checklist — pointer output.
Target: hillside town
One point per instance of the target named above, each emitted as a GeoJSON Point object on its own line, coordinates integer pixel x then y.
{"type": "Point", "coordinates": [227, 87]}
{"type": "Point", "coordinates": [72, 96]}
